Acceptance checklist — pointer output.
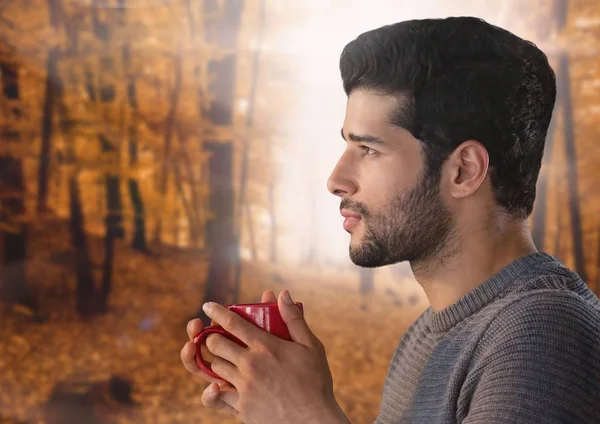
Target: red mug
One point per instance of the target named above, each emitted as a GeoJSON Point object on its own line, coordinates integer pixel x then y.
{"type": "Point", "coordinates": [265, 316]}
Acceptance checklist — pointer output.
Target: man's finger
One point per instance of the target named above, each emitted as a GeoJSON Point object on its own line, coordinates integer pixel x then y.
{"type": "Point", "coordinates": [188, 357]}
{"type": "Point", "coordinates": [221, 346]}
{"type": "Point", "coordinates": [230, 396]}
{"type": "Point", "coordinates": [269, 297]}
{"type": "Point", "coordinates": [226, 370]}
{"type": "Point", "coordinates": [294, 320]}
{"type": "Point", "coordinates": [194, 326]}
{"type": "Point", "coordinates": [233, 323]}
{"type": "Point", "coordinates": [213, 397]}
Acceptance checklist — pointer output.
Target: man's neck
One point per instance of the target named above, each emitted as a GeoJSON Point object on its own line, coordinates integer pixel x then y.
{"type": "Point", "coordinates": [480, 255]}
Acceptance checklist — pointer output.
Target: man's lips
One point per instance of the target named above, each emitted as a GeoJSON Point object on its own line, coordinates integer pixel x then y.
{"type": "Point", "coordinates": [352, 219]}
{"type": "Point", "coordinates": [346, 213]}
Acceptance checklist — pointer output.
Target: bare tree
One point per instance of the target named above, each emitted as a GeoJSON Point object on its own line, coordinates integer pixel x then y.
{"type": "Point", "coordinates": [221, 32]}
{"type": "Point", "coordinates": [193, 207]}
{"type": "Point", "coordinates": [545, 30]}
{"type": "Point", "coordinates": [251, 232]}
{"type": "Point", "coordinates": [85, 285]}
{"type": "Point", "coordinates": [272, 221]}
{"type": "Point", "coordinates": [139, 217]}
{"type": "Point", "coordinates": [13, 279]}
{"type": "Point", "coordinates": [558, 236]}
{"type": "Point", "coordinates": [539, 214]}
{"type": "Point", "coordinates": [564, 92]}
{"type": "Point", "coordinates": [169, 132]}
{"type": "Point", "coordinates": [55, 12]}
{"type": "Point", "coordinates": [106, 95]}
{"type": "Point", "coordinates": [86, 291]}
{"type": "Point", "coordinates": [597, 259]}
{"type": "Point", "coordinates": [311, 257]}
{"type": "Point", "coordinates": [243, 205]}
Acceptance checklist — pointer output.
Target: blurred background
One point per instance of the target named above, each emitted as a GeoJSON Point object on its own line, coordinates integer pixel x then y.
{"type": "Point", "coordinates": [156, 154]}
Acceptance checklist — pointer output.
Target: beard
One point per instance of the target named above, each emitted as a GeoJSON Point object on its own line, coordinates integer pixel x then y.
{"type": "Point", "coordinates": [415, 227]}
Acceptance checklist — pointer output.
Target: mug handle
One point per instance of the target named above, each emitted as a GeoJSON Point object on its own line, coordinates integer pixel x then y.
{"type": "Point", "coordinates": [199, 341]}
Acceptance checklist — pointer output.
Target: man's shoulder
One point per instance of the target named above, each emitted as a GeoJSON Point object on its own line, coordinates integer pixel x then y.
{"type": "Point", "coordinates": [549, 273]}
{"type": "Point", "coordinates": [548, 303]}
{"type": "Point", "coordinates": [548, 290]}
{"type": "Point", "coordinates": [545, 313]}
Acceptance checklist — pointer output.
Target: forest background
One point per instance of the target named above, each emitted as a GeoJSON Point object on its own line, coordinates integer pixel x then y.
{"type": "Point", "coordinates": [156, 154]}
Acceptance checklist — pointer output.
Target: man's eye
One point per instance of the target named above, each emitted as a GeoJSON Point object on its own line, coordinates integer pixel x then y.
{"type": "Point", "coordinates": [367, 150]}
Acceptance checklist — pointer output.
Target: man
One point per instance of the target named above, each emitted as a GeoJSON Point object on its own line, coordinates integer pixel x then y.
{"type": "Point", "coordinates": [445, 128]}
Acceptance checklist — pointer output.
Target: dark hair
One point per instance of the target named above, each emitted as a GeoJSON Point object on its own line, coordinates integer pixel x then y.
{"type": "Point", "coordinates": [459, 79]}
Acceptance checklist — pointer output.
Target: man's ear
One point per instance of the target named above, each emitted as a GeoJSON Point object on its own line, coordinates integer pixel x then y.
{"type": "Point", "coordinates": [468, 166]}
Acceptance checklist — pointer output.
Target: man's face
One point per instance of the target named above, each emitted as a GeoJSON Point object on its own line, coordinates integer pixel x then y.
{"type": "Point", "coordinates": [392, 204]}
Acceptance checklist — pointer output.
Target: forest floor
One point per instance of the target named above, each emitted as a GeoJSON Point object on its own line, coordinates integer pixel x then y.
{"type": "Point", "coordinates": [140, 337]}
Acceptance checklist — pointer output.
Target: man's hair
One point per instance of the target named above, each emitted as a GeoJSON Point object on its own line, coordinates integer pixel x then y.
{"type": "Point", "coordinates": [460, 79]}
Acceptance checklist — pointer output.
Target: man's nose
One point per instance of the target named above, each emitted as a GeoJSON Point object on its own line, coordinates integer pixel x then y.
{"type": "Point", "coordinates": [340, 182]}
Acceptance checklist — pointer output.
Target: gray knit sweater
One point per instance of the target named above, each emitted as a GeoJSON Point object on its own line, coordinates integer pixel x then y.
{"type": "Point", "coordinates": [523, 347]}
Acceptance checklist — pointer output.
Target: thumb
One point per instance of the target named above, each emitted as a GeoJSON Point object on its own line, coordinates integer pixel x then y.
{"type": "Point", "coordinates": [214, 397]}
{"type": "Point", "coordinates": [293, 318]}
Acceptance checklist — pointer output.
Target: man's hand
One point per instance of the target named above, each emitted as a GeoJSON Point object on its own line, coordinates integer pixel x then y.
{"type": "Point", "coordinates": [211, 396]}
{"type": "Point", "coordinates": [273, 380]}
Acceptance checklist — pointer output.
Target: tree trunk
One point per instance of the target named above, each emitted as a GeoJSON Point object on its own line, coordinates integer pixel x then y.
{"type": "Point", "coordinates": [170, 124]}
{"type": "Point", "coordinates": [106, 94]}
{"type": "Point", "coordinates": [220, 230]}
{"type": "Point", "coordinates": [597, 286]}
{"type": "Point", "coordinates": [312, 244]}
{"type": "Point", "coordinates": [242, 203]}
{"type": "Point", "coordinates": [189, 212]}
{"type": "Point", "coordinates": [99, 187]}
{"type": "Point", "coordinates": [176, 227]}
{"type": "Point", "coordinates": [139, 217]}
{"type": "Point", "coordinates": [50, 96]}
{"type": "Point", "coordinates": [557, 238]}
{"type": "Point", "coordinates": [114, 204]}
{"type": "Point", "coordinates": [200, 96]}
{"type": "Point", "coordinates": [83, 265]}
{"type": "Point", "coordinates": [571, 159]}
{"type": "Point", "coordinates": [139, 222]}
{"type": "Point", "coordinates": [48, 114]}
{"type": "Point", "coordinates": [273, 222]}
{"type": "Point", "coordinates": [194, 215]}
{"type": "Point", "coordinates": [13, 279]}
{"type": "Point", "coordinates": [113, 230]}
{"type": "Point", "coordinates": [250, 220]}
{"type": "Point", "coordinates": [539, 213]}
{"type": "Point", "coordinates": [85, 284]}
{"type": "Point", "coordinates": [560, 13]}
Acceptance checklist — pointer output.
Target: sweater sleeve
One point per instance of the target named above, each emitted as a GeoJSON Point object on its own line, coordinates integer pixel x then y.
{"type": "Point", "coordinates": [539, 362]}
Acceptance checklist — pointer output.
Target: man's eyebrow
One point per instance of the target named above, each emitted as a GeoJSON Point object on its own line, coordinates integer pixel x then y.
{"type": "Point", "coordinates": [364, 138]}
